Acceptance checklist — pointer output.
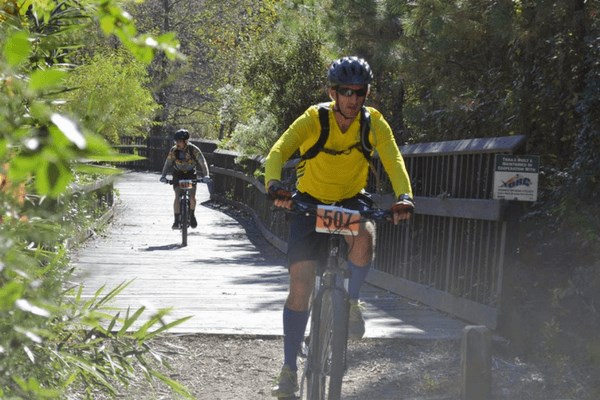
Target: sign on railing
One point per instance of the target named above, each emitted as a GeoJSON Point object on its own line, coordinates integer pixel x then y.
{"type": "Point", "coordinates": [516, 177]}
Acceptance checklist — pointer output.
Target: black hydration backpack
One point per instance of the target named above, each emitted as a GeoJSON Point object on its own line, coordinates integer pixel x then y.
{"type": "Point", "coordinates": [364, 145]}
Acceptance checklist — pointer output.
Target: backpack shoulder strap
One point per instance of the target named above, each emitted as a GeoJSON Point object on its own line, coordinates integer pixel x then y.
{"type": "Point", "coordinates": [190, 151]}
{"type": "Point", "coordinates": [323, 109]}
{"type": "Point", "coordinates": [365, 128]}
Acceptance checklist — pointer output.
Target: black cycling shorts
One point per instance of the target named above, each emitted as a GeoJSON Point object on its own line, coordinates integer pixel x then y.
{"type": "Point", "coordinates": [177, 175]}
{"type": "Point", "coordinates": [304, 243]}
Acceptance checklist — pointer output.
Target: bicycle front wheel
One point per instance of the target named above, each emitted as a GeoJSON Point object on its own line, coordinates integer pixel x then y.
{"type": "Point", "coordinates": [184, 219]}
{"type": "Point", "coordinates": [327, 351]}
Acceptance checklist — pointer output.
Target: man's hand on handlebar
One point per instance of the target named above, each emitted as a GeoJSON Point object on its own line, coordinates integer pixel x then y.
{"type": "Point", "coordinates": [403, 209]}
{"type": "Point", "coordinates": [281, 197]}
{"type": "Point", "coordinates": [205, 179]}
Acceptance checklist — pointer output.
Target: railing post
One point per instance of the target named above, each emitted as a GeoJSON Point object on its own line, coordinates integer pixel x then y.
{"type": "Point", "coordinates": [476, 363]}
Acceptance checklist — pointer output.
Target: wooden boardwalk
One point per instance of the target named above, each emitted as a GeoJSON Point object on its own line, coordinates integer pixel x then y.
{"type": "Point", "coordinates": [227, 278]}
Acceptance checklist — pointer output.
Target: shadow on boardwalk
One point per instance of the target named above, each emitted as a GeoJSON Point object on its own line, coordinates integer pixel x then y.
{"type": "Point", "coordinates": [228, 278]}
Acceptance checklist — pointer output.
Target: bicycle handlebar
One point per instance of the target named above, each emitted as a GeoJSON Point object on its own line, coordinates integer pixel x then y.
{"type": "Point", "coordinates": [301, 207]}
{"type": "Point", "coordinates": [171, 181]}
{"type": "Point", "coordinates": [201, 180]}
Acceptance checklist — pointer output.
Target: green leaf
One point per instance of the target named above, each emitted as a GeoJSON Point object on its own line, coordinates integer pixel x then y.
{"type": "Point", "coordinates": [97, 145]}
{"type": "Point", "coordinates": [112, 323]}
{"type": "Point", "coordinates": [107, 23]}
{"type": "Point", "coordinates": [142, 331]}
{"type": "Point", "coordinates": [23, 166]}
{"type": "Point", "coordinates": [168, 38]}
{"type": "Point", "coordinates": [17, 48]}
{"type": "Point", "coordinates": [10, 293]}
{"type": "Point", "coordinates": [69, 129]}
{"type": "Point", "coordinates": [3, 148]}
{"type": "Point", "coordinates": [91, 369]}
{"type": "Point", "coordinates": [167, 327]}
{"type": "Point", "coordinates": [110, 295]}
{"type": "Point", "coordinates": [52, 178]}
{"type": "Point", "coordinates": [176, 386]}
{"type": "Point", "coordinates": [45, 79]}
{"type": "Point", "coordinates": [39, 109]}
{"type": "Point", "coordinates": [140, 50]}
{"type": "Point", "coordinates": [130, 320]}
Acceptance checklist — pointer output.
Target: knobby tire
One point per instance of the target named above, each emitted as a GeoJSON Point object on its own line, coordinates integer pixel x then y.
{"type": "Point", "coordinates": [328, 345]}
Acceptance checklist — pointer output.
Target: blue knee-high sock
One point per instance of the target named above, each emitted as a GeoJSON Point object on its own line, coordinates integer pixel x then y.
{"type": "Point", "coordinates": [294, 325]}
{"type": "Point", "coordinates": [357, 278]}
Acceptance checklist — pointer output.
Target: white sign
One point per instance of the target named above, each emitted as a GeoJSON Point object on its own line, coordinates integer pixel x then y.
{"type": "Point", "coordinates": [516, 177]}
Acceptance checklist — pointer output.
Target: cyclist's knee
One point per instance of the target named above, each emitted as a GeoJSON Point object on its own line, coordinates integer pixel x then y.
{"type": "Point", "coordinates": [302, 276]}
{"type": "Point", "coordinates": [369, 228]}
{"type": "Point", "coordinates": [364, 242]}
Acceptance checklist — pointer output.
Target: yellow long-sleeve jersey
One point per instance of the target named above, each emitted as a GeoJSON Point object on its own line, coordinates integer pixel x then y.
{"type": "Point", "coordinates": [331, 178]}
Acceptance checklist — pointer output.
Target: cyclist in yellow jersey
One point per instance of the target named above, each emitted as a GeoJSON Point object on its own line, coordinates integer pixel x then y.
{"type": "Point", "coordinates": [336, 174]}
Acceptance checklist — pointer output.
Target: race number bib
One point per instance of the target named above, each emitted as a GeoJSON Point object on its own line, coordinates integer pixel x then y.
{"type": "Point", "coordinates": [186, 184]}
{"type": "Point", "coordinates": [337, 220]}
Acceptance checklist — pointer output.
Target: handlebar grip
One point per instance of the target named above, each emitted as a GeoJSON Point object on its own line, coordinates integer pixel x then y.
{"type": "Point", "coordinates": [279, 193]}
{"type": "Point", "coordinates": [404, 204]}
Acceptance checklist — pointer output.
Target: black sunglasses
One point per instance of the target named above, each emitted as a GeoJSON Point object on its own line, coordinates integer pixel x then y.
{"type": "Point", "coordinates": [347, 92]}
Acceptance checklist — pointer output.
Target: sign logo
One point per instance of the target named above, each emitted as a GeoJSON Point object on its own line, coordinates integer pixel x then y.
{"type": "Point", "coordinates": [515, 181]}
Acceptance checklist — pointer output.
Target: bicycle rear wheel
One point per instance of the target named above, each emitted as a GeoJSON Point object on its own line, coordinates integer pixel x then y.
{"type": "Point", "coordinates": [327, 350]}
{"type": "Point", "coordinates": [184, 219]}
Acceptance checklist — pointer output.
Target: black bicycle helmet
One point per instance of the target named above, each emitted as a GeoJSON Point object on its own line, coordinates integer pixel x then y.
{"type": "Point", "coordinates": [349, 71]}
{"type": "Point", "coordinates": [182, 134]}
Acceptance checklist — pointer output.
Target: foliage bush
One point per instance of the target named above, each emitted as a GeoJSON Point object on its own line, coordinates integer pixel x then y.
{"type": "Point", "coordinates": [53, 341]}
{"type": "Point", "coordinates": [283, 75]}
{"type": "Point", "coordinates": [100, 94]}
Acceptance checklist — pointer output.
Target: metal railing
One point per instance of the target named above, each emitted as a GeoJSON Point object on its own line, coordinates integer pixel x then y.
{"type": "Point", "coordinates": [450, 256]}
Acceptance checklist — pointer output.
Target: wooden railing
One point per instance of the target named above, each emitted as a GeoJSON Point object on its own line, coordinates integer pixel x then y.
{"type": "Point", "coordinates": [154, 149]}
{"type": "Point", "coordinates": [102, 193]}
{"type": "Point", "coordinates": [450, 256]}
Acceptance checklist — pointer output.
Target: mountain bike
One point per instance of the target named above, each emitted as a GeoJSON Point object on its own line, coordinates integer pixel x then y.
{"type": "Point", "coordinates": [185, 186]}
{"type": "Point", "coordinates": [328, 337]}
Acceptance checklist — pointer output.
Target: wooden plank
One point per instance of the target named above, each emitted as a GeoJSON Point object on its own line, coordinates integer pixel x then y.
{"type": "Point", "coordinates": [503, 144]}
{"type": "Point", "coordinates": [443, 301]}
{"type": "Point", "coordinates": [483, 209]}
{"type": "Point", "coordinates": [221, 278]}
